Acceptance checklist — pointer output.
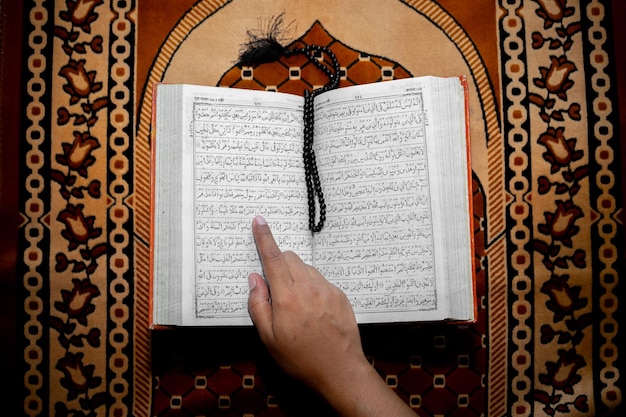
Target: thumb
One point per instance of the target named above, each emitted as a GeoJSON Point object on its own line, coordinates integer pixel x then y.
{"type": "Point", "coordinates": [259, 306]}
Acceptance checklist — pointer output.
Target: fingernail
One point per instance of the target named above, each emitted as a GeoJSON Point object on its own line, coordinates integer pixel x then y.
{"type": "Point", "coordinates": [251, 282]}
{"type": "Point", "coordinates": [260, 220]}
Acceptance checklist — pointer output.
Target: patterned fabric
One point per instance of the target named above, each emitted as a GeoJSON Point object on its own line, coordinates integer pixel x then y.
{"type": "Point", "coordinates": [548, 209]}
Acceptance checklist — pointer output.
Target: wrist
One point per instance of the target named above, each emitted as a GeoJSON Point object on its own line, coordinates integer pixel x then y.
{"type": "Point", "coordinates": [347, 390]}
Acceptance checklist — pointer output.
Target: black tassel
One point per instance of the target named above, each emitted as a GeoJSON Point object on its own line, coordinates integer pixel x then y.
{"type": "Point", "coordinates": [264, 45]}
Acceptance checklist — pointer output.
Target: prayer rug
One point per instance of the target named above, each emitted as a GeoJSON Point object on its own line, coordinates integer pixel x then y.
{"type": "Point", "coordinates": [547, 193]}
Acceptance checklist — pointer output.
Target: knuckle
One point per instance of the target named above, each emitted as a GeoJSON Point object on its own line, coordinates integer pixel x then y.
{"type": "Point", "coordinates": [290, 255]}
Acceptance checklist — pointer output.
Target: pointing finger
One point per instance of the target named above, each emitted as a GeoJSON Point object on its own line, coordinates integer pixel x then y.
{"type": "Point", "coordinates": [272, 259]}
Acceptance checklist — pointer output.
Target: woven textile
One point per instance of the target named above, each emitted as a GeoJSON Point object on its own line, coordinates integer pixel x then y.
{"type": "Point", "coordinates": [547, 187]}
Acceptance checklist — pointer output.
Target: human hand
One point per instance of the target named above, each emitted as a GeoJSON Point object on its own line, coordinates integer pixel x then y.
{"type": "Point", "coordinates": [309, 328]}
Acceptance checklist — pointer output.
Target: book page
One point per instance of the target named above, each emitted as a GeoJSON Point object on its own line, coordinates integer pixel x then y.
{"type": "Point", "coordinates": [378, 244]}
{"type": "Point", "coordinates": [392, 160]}
{"type": "Point", "coordinates": [245, 158]}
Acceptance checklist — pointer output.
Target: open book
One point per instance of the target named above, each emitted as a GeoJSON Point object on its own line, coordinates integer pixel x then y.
{"type": "Point", "coordinates": [393, 161]}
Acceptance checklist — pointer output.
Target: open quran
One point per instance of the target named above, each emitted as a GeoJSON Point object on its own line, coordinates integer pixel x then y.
{"type": "Point", "coordinates": [393, 163]}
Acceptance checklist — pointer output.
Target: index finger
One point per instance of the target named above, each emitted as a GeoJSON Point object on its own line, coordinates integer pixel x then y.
{"type": "Point", "coordinates": [272, 259]}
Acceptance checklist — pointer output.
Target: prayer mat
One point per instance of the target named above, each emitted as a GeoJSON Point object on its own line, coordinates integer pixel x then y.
{"type": "Point", "coordinates": [544, 77]}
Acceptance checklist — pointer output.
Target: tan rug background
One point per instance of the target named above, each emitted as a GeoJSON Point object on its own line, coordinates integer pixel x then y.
{"type": "Point", "coordinates": [548, 191]}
